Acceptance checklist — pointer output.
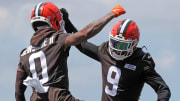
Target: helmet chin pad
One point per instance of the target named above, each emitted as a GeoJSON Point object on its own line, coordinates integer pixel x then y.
{"type": "Point", "coordinates": [37, 24]}
{"type": "Point", "coordinates": [39, 21]}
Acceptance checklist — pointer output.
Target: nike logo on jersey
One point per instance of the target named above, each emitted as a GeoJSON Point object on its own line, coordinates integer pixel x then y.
{"type": "Point", "coordinates": [129, 66]}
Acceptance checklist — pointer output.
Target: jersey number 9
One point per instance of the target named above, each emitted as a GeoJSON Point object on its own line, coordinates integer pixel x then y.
{"type": "Point", "coordinates": [114, 81]}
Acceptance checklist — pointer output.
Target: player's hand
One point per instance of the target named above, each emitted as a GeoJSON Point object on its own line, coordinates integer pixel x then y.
{"type": "Point", "coordinates": [65, 13]}
{"type": "Point", "coordinates": [118, 10]}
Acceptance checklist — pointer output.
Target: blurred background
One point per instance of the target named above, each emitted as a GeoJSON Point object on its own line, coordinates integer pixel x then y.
{"type": "Point", "coordinates": [158, 21]}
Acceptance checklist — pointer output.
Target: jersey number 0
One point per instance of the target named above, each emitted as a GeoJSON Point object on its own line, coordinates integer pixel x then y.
{"type": "Point", "coordinates": [44, 67]}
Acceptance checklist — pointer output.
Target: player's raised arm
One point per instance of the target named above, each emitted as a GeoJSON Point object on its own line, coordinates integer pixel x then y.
{"type": "Point", "coordinates": [94, 27]}
{"type": "Point", "coordinates": [85, 47]}
{"type": "Point", "coordinates": [69, 27]}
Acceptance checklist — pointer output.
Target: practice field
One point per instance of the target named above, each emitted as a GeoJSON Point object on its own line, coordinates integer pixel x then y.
{"type": "Point", "coordinates": [158, 22]}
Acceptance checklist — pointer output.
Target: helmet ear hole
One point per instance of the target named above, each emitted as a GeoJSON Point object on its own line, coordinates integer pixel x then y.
{"type": "Point", "coordinates": [57, 23]}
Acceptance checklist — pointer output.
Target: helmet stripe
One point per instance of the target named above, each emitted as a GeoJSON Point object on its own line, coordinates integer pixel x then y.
{"type": "Point", "coordinates": [122, 30]}
{"type": "Point", "coordinates": [126, 27]}
{"type": "Point", "coordinates": [120, 26]}
{"type": "Point", "coordinates": [34, 11]}
{"type": "Point", "coordinates": [37, 9]}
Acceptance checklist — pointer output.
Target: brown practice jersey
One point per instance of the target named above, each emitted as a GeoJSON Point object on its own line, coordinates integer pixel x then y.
{"type": "Point", "coordinates": [47, 61]}
{"type": "Point", "coordinates": [124, 80]}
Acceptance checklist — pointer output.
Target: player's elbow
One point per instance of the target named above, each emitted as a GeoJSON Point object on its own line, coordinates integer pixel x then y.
{"type": "Point", "coordinates": [164, 94]}
{"type": "Point", "coordinates": [169, 92]}
{"type": "Point", "coordinates": [83, 36]}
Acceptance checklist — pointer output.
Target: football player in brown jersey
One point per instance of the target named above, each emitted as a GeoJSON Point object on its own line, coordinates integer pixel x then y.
{"type": "Point", "coordinates": [43, 64]}
{"type": "Point", "coordinates": [125, 67]}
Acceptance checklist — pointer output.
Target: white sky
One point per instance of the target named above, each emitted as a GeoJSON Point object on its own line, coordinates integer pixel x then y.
{"type": "Point", "coordinates": [158, 21]}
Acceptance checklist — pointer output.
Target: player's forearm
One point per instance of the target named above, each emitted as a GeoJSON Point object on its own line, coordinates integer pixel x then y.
{"type": "Point", "coordinates": [20, 97]}
{"type": "Point", "coordinates": [158, 84]}
{"type": "Point", "coordinates": [96, 26]}
{"type": "Point", "coordinates": [85, 47]}
{"type": "Point", "coordinates": [93, 28]}
{"type": "Point", "coordinates": [164, 93]}
{"type": "Point", "coordinates": [88, 49]}
{"type": "Point", "coordinates": [20, 88]}
{"type": "Point", "coordinates": [90, 30]}
{"type": "Point", "coordinates": [69, 27]}
{"type": "Point", "coordinates": [161, 88]}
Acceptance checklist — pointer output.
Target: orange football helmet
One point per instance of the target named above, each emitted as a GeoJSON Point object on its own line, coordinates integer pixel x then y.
{"type": "Point", "coordinates": [123, 39]}
{"type": "Point", "coordinates": [47, 13]}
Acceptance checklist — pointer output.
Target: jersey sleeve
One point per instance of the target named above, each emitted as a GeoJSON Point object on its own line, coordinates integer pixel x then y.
{"type": "Point", "coordinates": [20, 77]}
{"type": "Point", "coordinates": [21, 62]}
{"type": "Point", "coordinates": [152, 78]}
{"type": "Point", "coordinates": [60, 40]}
{"type": "Point", "coordinates": [88, 49]}
{"type": "Point", "coordinates": [19, 86]}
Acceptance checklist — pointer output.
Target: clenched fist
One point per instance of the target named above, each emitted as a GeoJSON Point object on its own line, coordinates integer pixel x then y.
{"type": "Point", "coordinates": [118, 10]}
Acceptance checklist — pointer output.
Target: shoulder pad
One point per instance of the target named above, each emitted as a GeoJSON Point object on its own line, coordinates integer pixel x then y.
{"type": "Point", "coordinates": [22, 51]}
{"type": "Point", "coordinates": [148, 59]}
{"type": "Point", "coordinates": [58, 34]}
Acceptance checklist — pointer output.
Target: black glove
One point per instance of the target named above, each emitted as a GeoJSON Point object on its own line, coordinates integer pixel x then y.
{"type": "Point", "coordinates": [65, 14]}
{"type": "Point", "coordinates": [69, 27]}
